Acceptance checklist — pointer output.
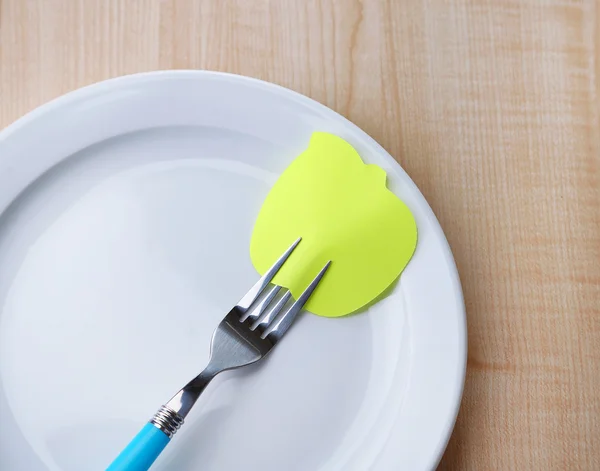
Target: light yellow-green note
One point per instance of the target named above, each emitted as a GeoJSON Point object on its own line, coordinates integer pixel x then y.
{"type": "Point", "coordinates": [344, 212]}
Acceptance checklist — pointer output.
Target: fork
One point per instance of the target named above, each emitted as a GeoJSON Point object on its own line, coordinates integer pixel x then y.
{"type": "Point", "coordinates": [246, 335]}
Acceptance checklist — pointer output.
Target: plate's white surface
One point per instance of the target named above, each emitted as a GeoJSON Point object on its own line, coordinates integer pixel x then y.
{"type": "Point", "coordinates": [126, 210]}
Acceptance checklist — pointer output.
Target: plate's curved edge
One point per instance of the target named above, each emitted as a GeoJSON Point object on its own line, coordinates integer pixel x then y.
{"type": "Point", "coordinates": [463, 340]}
{"type": "Point", "coordinates": [100, 87]}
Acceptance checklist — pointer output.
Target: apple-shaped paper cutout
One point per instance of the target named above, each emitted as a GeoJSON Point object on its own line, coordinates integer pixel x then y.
{"type": "Point", "coordinates": [343, 211]}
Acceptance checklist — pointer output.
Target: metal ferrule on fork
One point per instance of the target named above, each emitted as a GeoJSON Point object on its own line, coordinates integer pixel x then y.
{"type": "Point", "coordinates": [167, 420]}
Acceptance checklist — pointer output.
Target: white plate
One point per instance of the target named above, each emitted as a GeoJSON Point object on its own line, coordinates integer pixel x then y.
{"type": "Point", "coordinates": [126, 210]}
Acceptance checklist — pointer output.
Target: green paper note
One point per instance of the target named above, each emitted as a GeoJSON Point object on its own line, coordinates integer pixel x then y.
{"type": "Point", "coordinates": [344, 212]}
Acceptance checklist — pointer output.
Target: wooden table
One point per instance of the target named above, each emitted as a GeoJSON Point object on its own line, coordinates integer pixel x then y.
{"type": "Point", "coordinates": [492, 106]}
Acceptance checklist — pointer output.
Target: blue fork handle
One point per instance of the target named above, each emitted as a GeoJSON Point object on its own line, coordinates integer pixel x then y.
{"type": "Point", "coordinates": [142, 451]}
{"type": "Point", "coordinates": [145, 447]}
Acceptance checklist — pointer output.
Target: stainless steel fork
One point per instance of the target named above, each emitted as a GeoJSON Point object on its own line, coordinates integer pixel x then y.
{"type": "Point", "coordinates": [246, 335]}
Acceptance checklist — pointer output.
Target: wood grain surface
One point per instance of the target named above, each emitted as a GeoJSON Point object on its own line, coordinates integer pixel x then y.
{"type": "Point", "coordinates": [490, 105]}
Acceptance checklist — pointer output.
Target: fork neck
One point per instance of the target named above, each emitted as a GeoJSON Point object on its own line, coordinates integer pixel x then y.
{"type": "Point", "coordinates": [183, 401]}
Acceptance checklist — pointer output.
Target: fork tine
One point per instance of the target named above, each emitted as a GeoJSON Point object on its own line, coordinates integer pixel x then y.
{"type": "Point", "coordinates": [262, 306]}
{"type": "Point", "coordinates": [279, 305]}
{"type": "Point", "coordinates": [286, 320]}
{"type": "Point", "coordinates": [261, 284]}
